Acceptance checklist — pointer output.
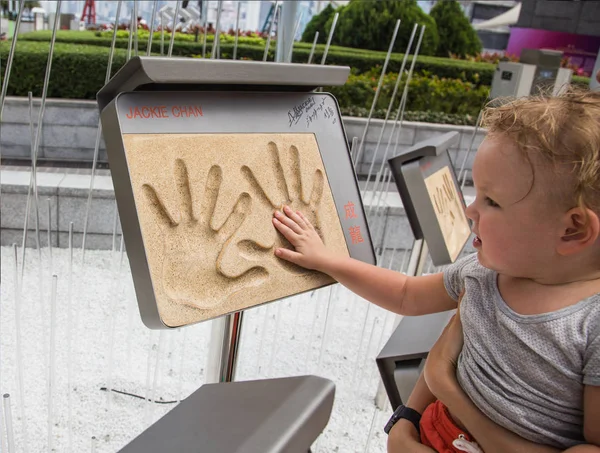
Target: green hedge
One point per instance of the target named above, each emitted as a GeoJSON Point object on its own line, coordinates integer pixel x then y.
{"type": "Point", "coordinates": [359, 60]}
{"type": "Point", "coordinates": [426, 93]}
{"type": "Point", "coordinates": [78, 72]}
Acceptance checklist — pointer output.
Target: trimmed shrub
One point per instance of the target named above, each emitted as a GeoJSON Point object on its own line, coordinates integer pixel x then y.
{"type": "Point", "coordinates": [78, 71]}
{"type": "Point", "coordinates": [426, 93]}
{"type": "Point", "coordinates": [317, 24]}
{"type": "Point", "coordinates": [360, 60]}
{"type": "Point", "coordinates": [370, 25]}
{"type": "Point", "coordinates": [457, 36]}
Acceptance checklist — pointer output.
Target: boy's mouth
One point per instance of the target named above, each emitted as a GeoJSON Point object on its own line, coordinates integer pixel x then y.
{"type": "Point", "coordinates": [477, 242]}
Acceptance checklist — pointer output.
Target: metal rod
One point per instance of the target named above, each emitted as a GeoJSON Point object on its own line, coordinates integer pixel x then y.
{"type": "Point", "coordinates": [10, 432]}
{"type": "Point", "coordinates": [94, 444]}
{"type": "Point", "coordinates": [50, 232]}
{"type": "Point", "coordinates": [330, 37]}
{"type": "Point", "coordinates": [161, 340]}
{"type": "Point", "coordinates": [391, 104]}
{"type": "Point", "coordinates": [268, 45]}
{"type": "Point", "coordinates": [462, 177]}
{"type": "Point", "coordinates": [205, 13]}
{"type": "Point", "coordinates": [9, 60]}
{"type": "Point", "coordinates": [130, 41]}
{"type": "Point", "coordinates": [215, 48]}
{"type": "Point", "coordinates": [312, 49]}
{"type": "Point", "coordinates": [374, 103]}
{"type": "Point", "coordinates": [181, 365]}
{"type": "Point", "coordinates": [69, 337]}
{"type": "Point", "coordinates": [175, 19]}
{"type": "Point", "coordinates": [162, 34]}
{"type": "Point", "coordinates": [401, 108]}
{"type": "Point", "coordinates": [111, 341]}
{"type": "Point", "coordinates": [33, 182]}
{"type": "Point", "coordinates": [46, 80]}
{"type": "Point", "coordinates": [368, 350]}
{"type": "Point", "coordinates": [135, 29]}
{"type": "Point", "coordinates": [149, 49]}
{"type": "Point", "coordinates": [99, 133]}
{"type": "Point", "coordinates": [354, 148]}
{"type": "Point", "coordinates": [326, 328]}
{"type": "Point", "coordinates": [19, 347]}
{"type": "Point", "coordinates": [52, 370]}
{"type": "Point", "coordinates": [275, 344]}
{"type": "Point", "coordinates": [237, 29]}
{"type": "Point", "coordinates": [291, 51]}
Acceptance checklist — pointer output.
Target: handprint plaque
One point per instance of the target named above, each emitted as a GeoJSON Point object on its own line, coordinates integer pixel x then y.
{"type": "Point", "coordinates": [205, 204]}
{"type": "Point", "coordinates": [448, 210]}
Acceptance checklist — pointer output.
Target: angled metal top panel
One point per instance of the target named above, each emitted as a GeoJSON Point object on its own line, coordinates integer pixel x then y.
{"type": "Point", "coordinates": [140, 72]}
{"type": "Point", "coordinates": [431, 147]}
{"type": "Point", "coordinates": [263, 416]}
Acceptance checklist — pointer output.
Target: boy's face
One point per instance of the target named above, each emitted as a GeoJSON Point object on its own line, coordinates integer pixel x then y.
{"type": "Point", "coordinates": [514, 216]}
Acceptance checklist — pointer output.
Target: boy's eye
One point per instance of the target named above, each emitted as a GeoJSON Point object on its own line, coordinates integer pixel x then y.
{"type": "Point", "coordinates": [491, 202]}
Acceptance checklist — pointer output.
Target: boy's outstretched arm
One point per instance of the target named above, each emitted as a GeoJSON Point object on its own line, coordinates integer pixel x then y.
{"type": "Point", "coordinates": [394, 291]}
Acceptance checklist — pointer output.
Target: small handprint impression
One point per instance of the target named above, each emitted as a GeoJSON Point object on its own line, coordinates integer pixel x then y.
{"type": "Point", "coordinates": [193, 246]}
{"type": "Point", "coordinates": [289, 191]}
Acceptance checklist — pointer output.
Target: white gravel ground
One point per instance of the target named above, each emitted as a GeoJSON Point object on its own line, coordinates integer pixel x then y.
{"type": "Point", "coordinates": [284, 338]}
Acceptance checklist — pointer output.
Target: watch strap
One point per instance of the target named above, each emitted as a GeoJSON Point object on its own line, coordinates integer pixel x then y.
{"type": "Point", "coordinates": [407, 413]}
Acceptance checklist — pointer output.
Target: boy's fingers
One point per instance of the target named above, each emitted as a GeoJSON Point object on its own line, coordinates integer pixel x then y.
{"type": "Point", "coordinates": [289, 222]}
{"type": "Point", "coordinates": [289, 234]}
{"type": "Point", "coordinates": [295, 217]}
{"type": "Point", "coordinates": [289, 255]}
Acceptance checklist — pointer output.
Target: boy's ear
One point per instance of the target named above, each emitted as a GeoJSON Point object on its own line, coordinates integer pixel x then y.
{"type": "Point", "coordinates": [580, 230]}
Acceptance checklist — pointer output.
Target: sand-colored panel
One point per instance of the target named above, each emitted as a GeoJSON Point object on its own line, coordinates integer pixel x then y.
{"type": "Point", "coordinates": [448, 210]}
{"type": "Point", "coordinates": [205, 204]}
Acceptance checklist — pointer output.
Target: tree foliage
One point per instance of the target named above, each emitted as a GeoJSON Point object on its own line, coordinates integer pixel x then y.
{"type": "Point", "coordinates": [370, 25]}
{"type": "Point", "coordinates": [457, 36]}
{"type": "Point", "coordinates": [318, 23]}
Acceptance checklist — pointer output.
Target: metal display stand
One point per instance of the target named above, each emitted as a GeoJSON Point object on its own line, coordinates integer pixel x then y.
{"type": "Point", "coordinates": [432, 198]}
{"type": "Point", "coordinates": [234, 97]}
{"type": "Point", "coordinates": [267, 416]}
{"type": "Point", "coordinates": [400, 361]}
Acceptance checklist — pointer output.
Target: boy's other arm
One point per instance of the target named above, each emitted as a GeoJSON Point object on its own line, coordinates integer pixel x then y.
{"type": "Point", "coordinates": [440, 376]}
{"type": "Point", "coordinates": [394, 291]}
{"type": "Point", "coordinates": [404, 436]}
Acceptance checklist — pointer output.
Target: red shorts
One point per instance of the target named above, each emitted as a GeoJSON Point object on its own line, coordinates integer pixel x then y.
{"type": "Point", "coordinates": [439, 431]}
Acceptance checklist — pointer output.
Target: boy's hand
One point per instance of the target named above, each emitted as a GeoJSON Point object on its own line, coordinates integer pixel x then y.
{"type": "Point", "coordinates": [310, 251]}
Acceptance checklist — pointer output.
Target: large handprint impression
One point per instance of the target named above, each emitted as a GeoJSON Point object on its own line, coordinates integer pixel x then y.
{"type": "Point", "coordinates": [193, 246]}
{"type": "Point", "coordinates": [289, 192]}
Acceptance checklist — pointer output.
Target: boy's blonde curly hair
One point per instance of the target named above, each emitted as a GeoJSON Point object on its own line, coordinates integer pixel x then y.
{"type": "Point", "coordinates": [563, 130]}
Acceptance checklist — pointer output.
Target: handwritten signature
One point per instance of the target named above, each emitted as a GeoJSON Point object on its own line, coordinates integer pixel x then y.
{"type": "Point", "coordinates": [328, 113]}
{"type": "Point", "coordinates": [299, 110]}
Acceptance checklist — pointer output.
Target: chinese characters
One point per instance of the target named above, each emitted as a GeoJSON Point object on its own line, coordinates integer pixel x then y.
{"type": "Point", "coordinates": [355, 234]}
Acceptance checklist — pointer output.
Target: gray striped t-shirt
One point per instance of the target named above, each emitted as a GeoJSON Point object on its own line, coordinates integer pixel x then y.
{"type": "Point", "coordinates": [525, 372]}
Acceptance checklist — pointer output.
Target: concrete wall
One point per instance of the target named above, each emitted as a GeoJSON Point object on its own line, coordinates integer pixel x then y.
{"type": "Point", "coordinates": [579, 17]}
{"type": "Point", "coordinates": [70, 129]}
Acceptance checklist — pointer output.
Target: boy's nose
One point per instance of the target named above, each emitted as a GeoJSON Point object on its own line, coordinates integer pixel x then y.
{"type": "Point", "coordinates": [471, 212]}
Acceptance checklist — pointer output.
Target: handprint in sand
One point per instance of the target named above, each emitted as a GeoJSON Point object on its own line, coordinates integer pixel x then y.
{"type": "Point", "coordinates": [193, 246]}
{"type": "Point", "coordinates": [289, 191]}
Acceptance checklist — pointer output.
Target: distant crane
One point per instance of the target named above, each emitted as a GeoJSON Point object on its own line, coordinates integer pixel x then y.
{"type": "Point", "coordinates": [89, 12]}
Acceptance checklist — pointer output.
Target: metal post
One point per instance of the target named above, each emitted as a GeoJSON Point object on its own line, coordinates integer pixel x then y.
{"type": "Point", "coordinates": [285, 30]}
{"type": "Point", "coordinates": [268, 44]}
{"type": "Point", "coordinates": [215, 48]}
{"type": "Point", "coordinates": [237, 29]}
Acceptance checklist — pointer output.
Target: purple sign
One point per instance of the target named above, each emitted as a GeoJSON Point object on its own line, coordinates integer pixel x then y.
{"type": "Point", "coordinates": [580, 49]}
